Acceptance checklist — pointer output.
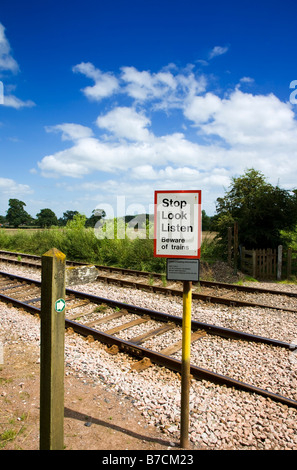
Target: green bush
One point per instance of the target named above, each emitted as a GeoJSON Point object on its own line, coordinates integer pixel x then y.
{"type": "Point", "coordinates": [81, 244]}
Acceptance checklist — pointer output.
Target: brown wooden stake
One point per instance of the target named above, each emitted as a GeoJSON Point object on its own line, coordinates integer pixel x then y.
{"type": "Point", "coordinates": [235, 247]}
{"type": "Point", "coordinates": [52, 338]}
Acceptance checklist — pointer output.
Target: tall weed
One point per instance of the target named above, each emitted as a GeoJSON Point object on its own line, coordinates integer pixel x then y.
{"type": "Point", "coordinates": [81, 244]}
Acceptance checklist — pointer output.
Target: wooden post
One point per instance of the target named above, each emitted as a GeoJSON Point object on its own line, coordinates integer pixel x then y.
{"type": "Point", "coordinates": [289, 263]}
{"type": "Point", "coordinates": [52, 351]}
{"type": "Point", "coordinates": [279, 262]}
{"type": "Point", "coordinates": [242, 260]}
{"type": "Point", "coordinates": [235, 247]}
{"type": "Point", "coordinates": [229, 245]}
{"type": "Point", "coordinates": [185, 371]}
{"type": "Point", "coordinates": [254, 264]}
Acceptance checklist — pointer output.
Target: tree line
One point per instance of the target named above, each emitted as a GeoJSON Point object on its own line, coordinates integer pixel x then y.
{"type": "Point", "coordinates": [17, 216]}
{"type": "Point", "coordinates": [265, 215]}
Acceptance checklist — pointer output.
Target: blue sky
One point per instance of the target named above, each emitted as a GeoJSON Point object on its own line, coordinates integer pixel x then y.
{"type": "Point", "coordinates": [105, 102]}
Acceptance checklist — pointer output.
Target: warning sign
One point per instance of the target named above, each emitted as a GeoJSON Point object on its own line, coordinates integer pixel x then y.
{"type": "Point", "coordinates": [177, 224]}
{"type": "Point", "coordinates": [182, 269]}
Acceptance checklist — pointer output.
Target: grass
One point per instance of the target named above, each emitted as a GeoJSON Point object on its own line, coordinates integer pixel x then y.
{"type": "Point", "coordinates": [292, 280]}
{"type": "Point", "coordinates": [11, 433]}
{"type": "Point", "coordinates": [13, 231]}
{"type": "Point", "coordinates": [8, 435]}
{"type": "Point", "coordinates": [81, 244]}
{"type": "Point", "coordinates": [246, 279]}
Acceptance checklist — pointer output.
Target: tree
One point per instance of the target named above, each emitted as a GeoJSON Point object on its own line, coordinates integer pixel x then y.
{"type": "Point", "coordinates": [46, 218]}
{"type": "Point", "coordinates": [16, 214]}
{"type": "Point", "coordinates": [207, 222]}
{"type": "Point", "coordinates": [68, 215]}
{"type": "Point", "coordinates": [260, 209]}
{"type": "Point", "coordinates": [77, 223]}
{"type": "Point", "coordinates": [97, 214]}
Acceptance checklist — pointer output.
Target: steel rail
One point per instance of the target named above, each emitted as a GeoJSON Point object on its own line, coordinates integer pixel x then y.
{"type": "Point", "coordinates": [133, 272]}
{"type": "Point", "coordinates": [212, 284]}
{"type": "Point", "coordinates": [211, 329]}
{"type": "Point", "coordinates": [195, 295]}
{"type": "Point", "coordinates": [157, 358]}
{"type": "Point", "coordinates": [175, 364]}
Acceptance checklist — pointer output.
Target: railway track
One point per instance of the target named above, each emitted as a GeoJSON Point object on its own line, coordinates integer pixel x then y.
{"type": "Point", "coordinates": [206, 291]}
{"type": "Point", "coordinates": [115, 324]}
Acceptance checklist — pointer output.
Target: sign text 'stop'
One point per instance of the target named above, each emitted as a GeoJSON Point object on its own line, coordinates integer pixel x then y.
{"type": "Point", "coordinates": [177, 224]}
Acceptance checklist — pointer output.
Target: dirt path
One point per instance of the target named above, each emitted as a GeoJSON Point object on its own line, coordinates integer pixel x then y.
{"type": "Point", "coordinates": [95, 419]}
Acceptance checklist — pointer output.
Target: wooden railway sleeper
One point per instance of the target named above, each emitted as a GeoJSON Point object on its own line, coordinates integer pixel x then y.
{"type": "Point", "coordinates": [164, 360]}
{"type": "Point", "coordinates": [107, 318]}
{"type": "Point", "coordinates": [15, 286]}
{"type": "Point", "coordinates": [32, 301]}
{"type": "Point", "coordinates": [5, 281]}
{"type": "Point", "coordinates": [173, 348]}
{"type": "Point", "coordinates": [77, 304]}
{"type": "Point", "coordinates": [152, 333]}
{"type": "Point", "coordinates": [127, 325]}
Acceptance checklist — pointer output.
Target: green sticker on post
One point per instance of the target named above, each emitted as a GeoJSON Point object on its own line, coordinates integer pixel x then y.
{"type": "Point", "coordinates": [60, 305]}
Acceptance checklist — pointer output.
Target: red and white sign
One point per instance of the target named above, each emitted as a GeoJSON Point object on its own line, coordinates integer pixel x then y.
{"type": "Point", "coordinates": [177, 229]}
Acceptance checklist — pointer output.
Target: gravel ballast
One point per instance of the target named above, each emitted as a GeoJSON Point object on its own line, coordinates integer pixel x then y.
{"type": "Point", "coordinates": [221, 418]}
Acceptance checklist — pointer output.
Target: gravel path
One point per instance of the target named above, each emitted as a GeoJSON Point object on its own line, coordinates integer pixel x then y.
{"type": "Point", "coordinates": [220, 417]}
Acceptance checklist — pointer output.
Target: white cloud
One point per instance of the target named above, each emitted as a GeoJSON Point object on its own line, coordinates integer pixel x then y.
{"type": "Point", "coordinates": [165, 87]}
{"type": "Point", "coordinates": [12, 188]}
{"type": "Point", "coordinates": [201, 108]}
{"type": "Point", "coordinates": [71, 131]}
{"type": "Point", "coordinates": [14, 102]}
{"type": "Point", "coordinates": [182, 174]}
{"type": "Point", "coordinates": [92, 154]}
{"type": "Point", "coordinates": [242, 130]}
{"type": "Point", "coordinates": [244, 119]}
{"type": "Point", "coordinates": [247, 80]}
{"type": "Point", "coordinates": [144, 172]}
{"type": "Point", "coordinates": [105, 83]}
{"type": "Point", "coordinates": [126, 123]}
{"type": "Point", "coordinates": [218, 50]}
{"type": "Point", "coordinates": [233, 132]}
{"type": "Point", "coordinates": [7, 62]}
{"type": "Point", "coordinates": [146, 86]}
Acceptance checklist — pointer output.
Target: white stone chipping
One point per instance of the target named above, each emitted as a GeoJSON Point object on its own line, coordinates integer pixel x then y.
{"type": "Point", "coordinates": [220, 417]}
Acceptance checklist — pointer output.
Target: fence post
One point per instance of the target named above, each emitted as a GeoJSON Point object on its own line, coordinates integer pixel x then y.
{"type": "Point", "coordinates": [229, 245]}
{"type": "Point", "coordinates": [235, 247]}
{"type": "Point", "coordinates": [254, 264]}
{"type": "Point", "coordinates": [289, 263]}
{"type": "Point", "coordinates": [242, 259]}
{"type": "Point", "coordinates": [279, 262]}
{"type": "Point", "coordinates": [52, 338]}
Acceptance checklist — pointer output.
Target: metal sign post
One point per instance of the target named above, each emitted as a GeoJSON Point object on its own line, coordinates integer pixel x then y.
{"type": "Point", "coordinates": [178, 238]}
{"type": "Point", "coordinates": [185, 371]}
